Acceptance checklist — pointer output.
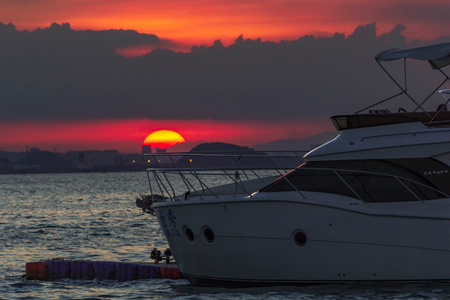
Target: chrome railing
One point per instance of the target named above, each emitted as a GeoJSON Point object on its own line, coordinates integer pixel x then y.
{"type": "Point", "coordinates": [215, 174]}
{"type": "Point", "coordinates": [177, 176]}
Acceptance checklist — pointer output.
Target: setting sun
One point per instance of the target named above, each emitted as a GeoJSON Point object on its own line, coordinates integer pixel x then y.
{"type": "Point", "coordinates": [163, 139]}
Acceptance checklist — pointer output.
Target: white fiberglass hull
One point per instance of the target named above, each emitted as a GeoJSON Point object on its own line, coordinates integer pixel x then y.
{"type": "Point", "coordinates": [346, 240]}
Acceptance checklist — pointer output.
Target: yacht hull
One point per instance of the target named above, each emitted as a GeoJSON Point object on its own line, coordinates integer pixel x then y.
{"type": "Point", "coordinates": [274, 241]}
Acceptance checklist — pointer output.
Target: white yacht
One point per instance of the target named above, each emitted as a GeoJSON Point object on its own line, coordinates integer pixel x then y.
{"type": "Point", "coordinates": [372, 204]}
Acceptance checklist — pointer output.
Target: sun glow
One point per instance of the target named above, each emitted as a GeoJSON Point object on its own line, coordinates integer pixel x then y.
{"type": "Point", "coordinates": [127, 135]}
{"type": "Point", "coordinates": [163, 139]}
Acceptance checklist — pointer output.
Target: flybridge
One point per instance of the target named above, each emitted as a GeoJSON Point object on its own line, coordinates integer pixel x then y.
{"type": "Point", "coordinates": [437, 55]}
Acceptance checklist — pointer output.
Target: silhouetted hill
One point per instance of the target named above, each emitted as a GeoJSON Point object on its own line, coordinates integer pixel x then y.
{"type": "Point", "coordinates": [223, 155]}
{"type": "Point", "coordinates": [219, 147]}
{"type": "Point", "coordinates": [306, 144]}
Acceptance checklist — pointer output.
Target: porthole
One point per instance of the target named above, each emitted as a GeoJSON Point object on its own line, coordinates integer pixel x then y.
{"type": "Point", "coordinates": [189, 234]}
{"type": "Point", "coordinates": [208, 235]}
{"type": "Point", "coordinates": [300, 238]}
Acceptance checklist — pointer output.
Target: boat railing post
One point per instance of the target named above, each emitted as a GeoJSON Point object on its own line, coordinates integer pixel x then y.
{"type": "Point", "coordinates": [233, 160]}
{"type": "Point", "coordinates": [417, 197]}
{"type": "Point", "coordinates": [258, 176]}
{"type": "Point", "coordinates": [158, 180]}
{"type": "Point", "coordinates": [202, 185]}
{"type": "Point", "coordinates": [237, 180]}
{"type": "Point", "coordinates": [240, 167]}
{"type": "Point", "coordinates": [442, 107]}
{"type": "Point", "coordinates": [405, 74]}
{"type": "Point", "coordinates": [193, 172]}
{"type": "Point", "coordinates": [191, 184]}
{"type": "Point", "coordinates": [343, 180]}
{"type": "Point", "coordinates": [290, 183]}
{"type": "Point", "coordinates": [158, 184]}
{"type": "Point", "coordinates": [433, 92]}
{"type": "Point", "coordinates": [188, 183]}
{"type": "Point", "coordinates": [161, 185]}
{"type": "Point", "coordinates": [170, 185]}
{"type": "Point", "coordinates": [429, 96]}
{"type": "Point", "coordinates": [150, 184]}
{"type": "Point", "coordinates": [167, 180]}
{"type": "Point", "coordinates": [185, 180]}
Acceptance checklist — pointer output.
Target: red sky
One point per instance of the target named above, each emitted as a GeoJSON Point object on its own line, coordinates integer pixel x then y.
{"type": "Point", "coordinates": [195, 22]}
{"type": "Point", "coordinates": [128, 135]}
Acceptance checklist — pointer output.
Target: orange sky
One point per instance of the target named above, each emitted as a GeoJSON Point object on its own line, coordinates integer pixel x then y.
{"type": "Point", "coordinates": [128, 135]}
{"type": "Point", "coordinates": [203, 21]}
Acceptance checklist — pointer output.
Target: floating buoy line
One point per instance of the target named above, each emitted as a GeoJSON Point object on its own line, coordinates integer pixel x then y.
{"type": "Point", "coordinates": [85, 269]}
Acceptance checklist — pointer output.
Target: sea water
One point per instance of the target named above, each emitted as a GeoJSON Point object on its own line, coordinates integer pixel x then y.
{"type": "Point", "coordinates": [93, 216]}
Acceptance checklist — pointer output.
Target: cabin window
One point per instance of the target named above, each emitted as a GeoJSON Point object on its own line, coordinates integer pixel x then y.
{"type": "Point", "coordinates": [304, 179]}
{"type": "Point", "coordinates": [367, 186]}
{"type": "Point", "coordinates": [372, 188]}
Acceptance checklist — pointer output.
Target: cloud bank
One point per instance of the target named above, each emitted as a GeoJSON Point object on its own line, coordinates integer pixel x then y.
{"type": "Point", "coordinates": [58, 73]}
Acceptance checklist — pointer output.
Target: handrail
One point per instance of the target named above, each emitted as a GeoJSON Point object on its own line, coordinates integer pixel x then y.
{"type": "Point", "coordinates": [415, 133]}
{"type": "Point", "coordinates": [189, 166]}
{"type": "Point", "coordinates": [198, 174]}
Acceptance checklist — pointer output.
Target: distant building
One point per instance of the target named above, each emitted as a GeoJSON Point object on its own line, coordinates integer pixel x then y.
{"type": "Point", "coordinates": [91, 159]}
{"type": "Point", "coordinates": [146, 149]}
{"type": "Point", "coordinates": [37, 161]}
{"type": "Point", "coordinates": [105, 160]}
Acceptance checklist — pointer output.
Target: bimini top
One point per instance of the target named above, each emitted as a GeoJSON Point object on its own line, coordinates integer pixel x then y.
{"type": "Point", "coordinates": [438, 55]}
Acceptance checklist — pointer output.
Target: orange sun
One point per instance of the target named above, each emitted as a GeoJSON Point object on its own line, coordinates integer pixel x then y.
{"type": "Point", "coordinates": [163, 139]}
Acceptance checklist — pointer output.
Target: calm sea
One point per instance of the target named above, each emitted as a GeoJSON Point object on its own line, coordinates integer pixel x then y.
{"type": "Point", "coordinates": [93, 217]}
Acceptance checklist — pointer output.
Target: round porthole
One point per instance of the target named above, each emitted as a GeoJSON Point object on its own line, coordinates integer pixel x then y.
{"type": "Point", "coordinates": [208, 235]}
{"type": "Point", "coordinates": [300, 238]}
{"type": "Point", "coordinates": [189, 235]}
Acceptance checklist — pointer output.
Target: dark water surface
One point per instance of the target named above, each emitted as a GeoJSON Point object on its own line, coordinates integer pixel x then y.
{"type": "Point", "coordinates": [93, 217]}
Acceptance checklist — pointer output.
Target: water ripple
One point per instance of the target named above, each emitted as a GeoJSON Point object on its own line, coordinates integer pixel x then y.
{"type": "Point", "coordinates": [93, 217]}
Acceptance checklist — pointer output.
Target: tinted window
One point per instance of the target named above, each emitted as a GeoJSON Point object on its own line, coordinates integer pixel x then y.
{"type": "Point", "coordinates": [369, 187]}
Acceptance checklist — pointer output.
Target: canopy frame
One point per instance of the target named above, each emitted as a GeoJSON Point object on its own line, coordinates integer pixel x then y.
{"type": "Point", "coordinates": [437, 55]}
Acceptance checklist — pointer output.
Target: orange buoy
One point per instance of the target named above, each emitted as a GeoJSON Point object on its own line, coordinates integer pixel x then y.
{"type": "Point", "coordinates": [171, 272]}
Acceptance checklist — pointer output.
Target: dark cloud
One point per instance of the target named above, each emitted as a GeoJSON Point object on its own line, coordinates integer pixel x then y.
{"type": "Point", "coordinates": [58, 73]}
